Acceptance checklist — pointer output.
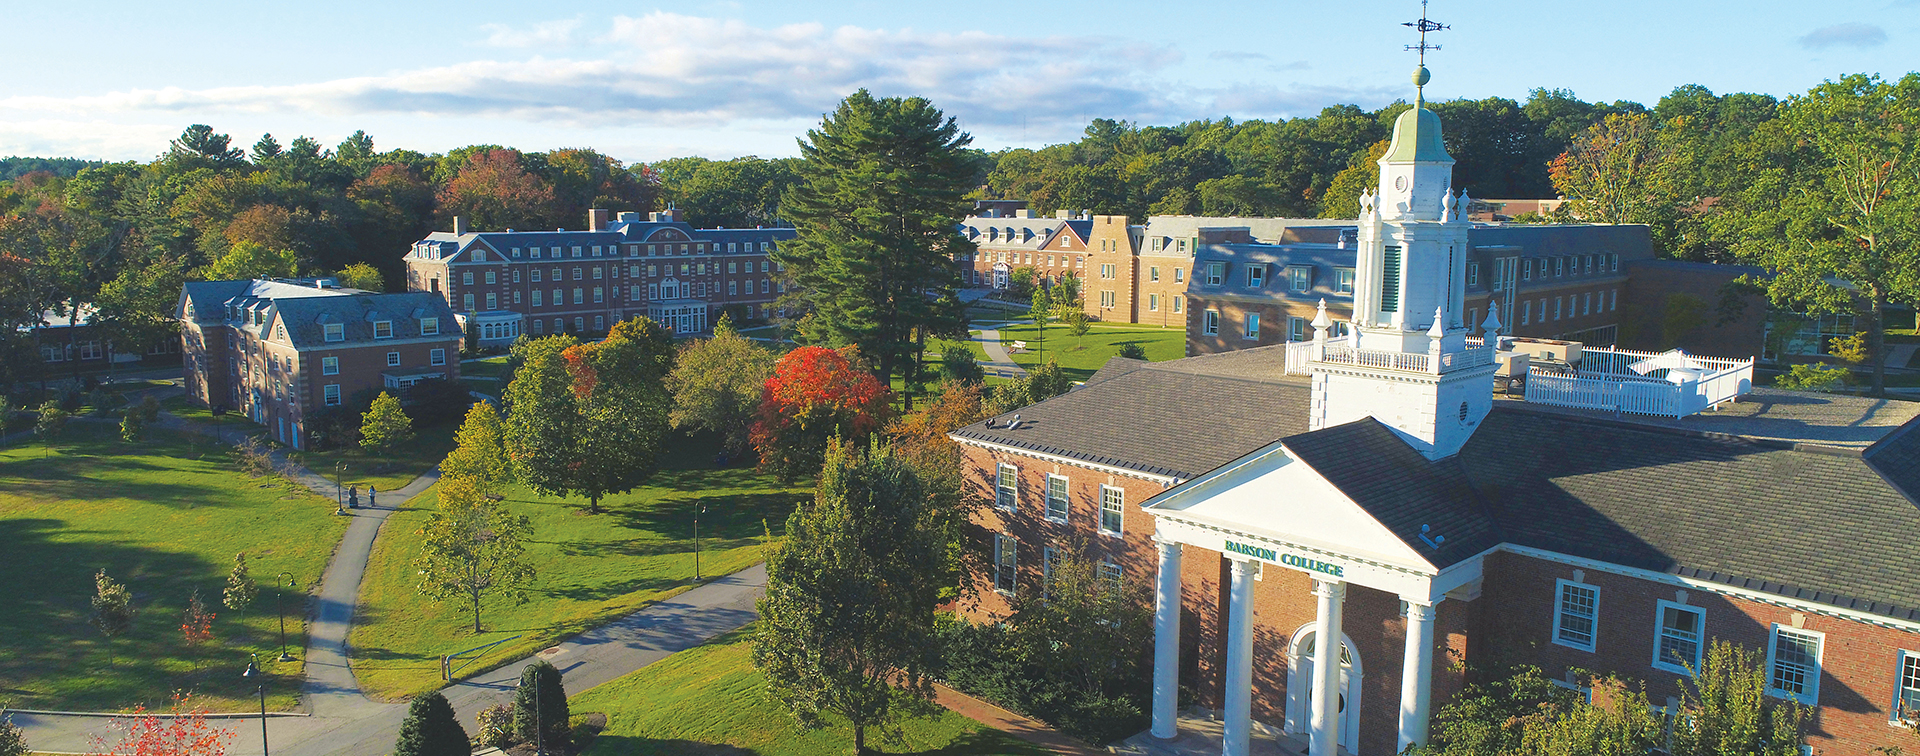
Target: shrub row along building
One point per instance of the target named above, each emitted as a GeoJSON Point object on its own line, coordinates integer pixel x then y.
{"type": "Point", "coordinates": [508, 283]}
{"type": "Point", "coordinates": [1329, 551]}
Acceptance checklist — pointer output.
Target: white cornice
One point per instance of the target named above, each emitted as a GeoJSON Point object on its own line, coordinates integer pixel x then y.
{"type": "Point", "coordinates": [1165, 480]}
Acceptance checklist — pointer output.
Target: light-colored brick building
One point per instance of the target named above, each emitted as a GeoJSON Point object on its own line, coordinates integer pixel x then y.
{"type": "Point", "coordinates": [282, 351]}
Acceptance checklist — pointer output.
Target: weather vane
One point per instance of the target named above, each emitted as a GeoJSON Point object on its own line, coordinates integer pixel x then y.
{"type": "Point", "coordinates": [1423, 26]}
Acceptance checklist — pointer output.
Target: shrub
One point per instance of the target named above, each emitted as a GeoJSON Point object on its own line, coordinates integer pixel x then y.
{"type": "Point", "coordinates": [496, 725]}
{"type": "Point", "coordinates": [1133, 351]}
{"type": "Point", "coordinates": [1813, 377]}
{"type": "Point", "coordinates": [958, 363]}
{"type": "Point", "coordinates": [431, 729]}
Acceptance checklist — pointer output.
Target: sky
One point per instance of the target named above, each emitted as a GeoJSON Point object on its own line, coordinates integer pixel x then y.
{"type": "Point", "coordinates": [720, 79]}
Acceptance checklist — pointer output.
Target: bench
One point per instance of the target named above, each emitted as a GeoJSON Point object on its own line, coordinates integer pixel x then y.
{"type": "Point", "coordinates": [1019, 346]}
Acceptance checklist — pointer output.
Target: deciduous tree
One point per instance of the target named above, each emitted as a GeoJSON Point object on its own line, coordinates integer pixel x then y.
{"type": "Point", "coordinates": [847, 626]}
{"type": "Point", "coordinates": [50, 422]}
{"type": "Point", "coordinates": [196, 625]}
{"type": "Point", "coordinates": [1614, 172]}
{"type": "Point", "coordinates": [385, 425]}
{"type": "Point", "coordinates": [883, 185]}
{"type": "Point", "coordinates": [480, 453]}
{"type": "Point", "coordinates": [620, 396]}
{"type": "Point", "coordinates": [241, 588]}
{"type": "Point", "coordinates": [815, 394]}
{"type": "Point", "coordinates": [494, 191]}
{"type": "Point", "coordinates": [13, 740]}
{"type": "Point", "coordinates": [473, 547]}
{"type": "Point", "coordinates": [716, 386]}
{"type": "Point", "coordinates": [250, 260]}
{"type": "Point", "coordinates": [543, 420]}
{"type": "Point", "coordinates": [361, 276]}
{"type": "Point", "coordinates": [183, 731]}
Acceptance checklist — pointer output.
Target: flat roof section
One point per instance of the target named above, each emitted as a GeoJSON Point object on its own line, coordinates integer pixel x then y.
{"type": "Point", "coordinates": [1834, 420]}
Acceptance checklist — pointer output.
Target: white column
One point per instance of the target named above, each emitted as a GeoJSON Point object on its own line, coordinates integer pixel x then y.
{"type": "Point", "coordinates": [1237, 739]}
{"type": "Point", "coordinates": [1166, 642]}
{"type": "Point", "coordinates": [1326, 669]}
{"type": "Point", "coordinates": [1416, 675]}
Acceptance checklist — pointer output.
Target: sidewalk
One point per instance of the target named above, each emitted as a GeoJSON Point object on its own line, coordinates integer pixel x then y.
{"type": "Point", "coordinates": [1024, 728]}
{"type": "Point", "coordinates": [998, 361]}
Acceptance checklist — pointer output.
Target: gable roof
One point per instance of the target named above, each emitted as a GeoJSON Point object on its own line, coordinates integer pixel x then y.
{"type": "Point", "coordinates": [1372, 466]}
{"type": "Point", "coordinates": [306, 319]}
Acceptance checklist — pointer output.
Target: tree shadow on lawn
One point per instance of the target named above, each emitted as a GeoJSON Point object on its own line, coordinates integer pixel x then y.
{"type": "Point", "coordinates": [55, 659]}
{"type": "Point", "coordinates": [634, 745]}
{"type": "Point", "coordinates": [727, 516]}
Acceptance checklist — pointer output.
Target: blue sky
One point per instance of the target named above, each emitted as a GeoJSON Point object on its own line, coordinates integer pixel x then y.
{"type": "Point", "coordinates": [738, 77]}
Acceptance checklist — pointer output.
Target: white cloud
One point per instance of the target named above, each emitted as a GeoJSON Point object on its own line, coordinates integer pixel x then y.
{"type": "Point", "coordinates": [665, 70]}
{"type": "Point", "coordinates": [1855, 35]}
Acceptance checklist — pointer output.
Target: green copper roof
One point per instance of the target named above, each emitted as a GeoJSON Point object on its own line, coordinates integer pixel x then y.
{"type": "Point", "coordinates": [1416, 133]}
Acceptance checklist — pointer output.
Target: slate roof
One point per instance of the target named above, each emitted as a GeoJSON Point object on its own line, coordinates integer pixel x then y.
{"type": "Point", "coordinates": [1830, 525]}
{"type": "Point", "coordinates": [209, 298]}
{"type": "Point", "coordinates": [305, 318]}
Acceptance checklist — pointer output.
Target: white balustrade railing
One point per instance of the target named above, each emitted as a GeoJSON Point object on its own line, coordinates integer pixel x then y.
{"type": "Point", "coordinates": [1299, 357]}
{"type": "Point", "coordinates": [1636, 394]}
{"type": "Point", "coordinates": [1344, 355]}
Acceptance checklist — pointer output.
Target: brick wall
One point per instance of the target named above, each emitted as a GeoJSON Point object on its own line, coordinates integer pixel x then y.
{"type": "Point", "coordinates": [1111, 243]}
{"type": "Point", "coordinates": [1667, 305]}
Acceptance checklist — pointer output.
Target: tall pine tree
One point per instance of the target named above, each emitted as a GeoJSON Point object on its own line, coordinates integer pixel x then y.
{"type": "Point", "coordinates": [883, 188]}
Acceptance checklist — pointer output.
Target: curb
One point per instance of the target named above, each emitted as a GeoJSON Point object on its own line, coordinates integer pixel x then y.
{"type": "Point", "coordinates": [159, 715]}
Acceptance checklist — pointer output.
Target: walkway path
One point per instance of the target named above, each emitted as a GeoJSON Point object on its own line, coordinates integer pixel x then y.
{"type": "Point", "coordinates": [998, 361]}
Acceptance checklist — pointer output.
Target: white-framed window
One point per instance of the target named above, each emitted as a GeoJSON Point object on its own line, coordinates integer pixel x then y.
{"type": "Point", "coordinates": [1057, 498]}
{"type": "Point", "coordinates": [329, 365]}
{"type": "Point", "coordinates": [335, 331]}
{"type": "Point", "coordinates": [1526, 312]}
{"type": "Point", "coordinates": [1007, 486]}
{"type": "Point", "coordinates": [1299, 278]}
{"type": "Point", "coordinates": [538, 298]}
{"type": "Point", "coordinates": [1006, 563]}
{"type": "Point", "coordinates": [493, 301]}
{"type": "Point", "coordinates": [599, 294]}
{"type": "Point", "coordinates": [1613, 300]}
{"type": "Point", "coordinates": [1113, 502]}
{"type": "Point", "coordinates": [1575, 615]}
{"type": "Point", "coordinates": [429, 326]}
{"type": "Point", "coordinates": [466, 301]}
{"type": "Point", "coordinates": [383, 329]}
{"type": "Point", "coordinates": [539, 326]}
{"type": "Point", "coordinates": [1585, 692]}
{"type": "Point", "coordinates": [1526, 269]}
{"type": "Point", "coordinates": [1253, 325]}
{"type": "Point", "coordinates": [1906, 688]}
{"type": "Point", "coordinates": [1296, 329]}
{"type": "Point", "coordinates": [1210, 324]}
{"type": "Point", "coordinates": [1179, 274]}
{"type": "Point", "coordinates": [1793, 664]}
{"type": "Point", "coordinates": [599, 322]}
{"type": "Point", "coordinates": [491, 277]}
{"type": "Point", "coordinates": [393, 359]}
{"type": "Point", "coordinates": [1343, 281]}
{"type": "Point", "coordinates": [1178, 302]}
{"type": "Point", "coordinates": [1556, 308]}
{"type": "Point", "coordinates": [330, 395]}
{"type": "Point", "coordinates": [466, 279]}
{"type": "Point", "coordinates": [1256, 276]}
{"type": "Point", "coordinates": [1216, 272]}
{"type": "Point", "coordinates": [1108, 299]}
{"type": "Point", "coordinates": [1586, 303]}
{"type": "Point", "coordinates": [1678, 633]}
{"type": "Point", "coordinates": [1107, 271]}
{"type": "Point", "coordinates": [1559, 266]}
{"type": "Point", "coordinates": [1473, 273]}
{"type": "Point", "coordinates": [437, 357]}
{"type": "Point", "coordinates": [1153, 303]}
{"type": "Point", "coordinates": [1111, 575]}
{"type": "Point", "coordinates": [1153, 273]}
{"type": "Point", "coordinates": [579, 296]}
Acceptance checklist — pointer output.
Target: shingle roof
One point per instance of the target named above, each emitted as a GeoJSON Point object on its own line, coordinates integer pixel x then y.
{"type": "Point", "coordinates": [1828, 525]}
{"type": "Point", "coordinates": [1379, 472]}
{"type": "Point", "coordinates": [305, 318]}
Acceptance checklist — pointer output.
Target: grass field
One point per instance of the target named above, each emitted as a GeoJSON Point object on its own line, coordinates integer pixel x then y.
{"type": "Point", "coordinates": [708, 701]}
{"type": "Point", "coordinates": [1080, 356]}
{"type": "Point", "coordinates": [429, 446]}
{"type": "Point", "coordinates": [591, 568]}
{"type": "Point", "coordinates": [163, 519]}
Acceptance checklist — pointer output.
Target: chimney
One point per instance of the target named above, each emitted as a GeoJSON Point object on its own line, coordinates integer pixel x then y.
{"type": "Point", "coordinates": [1086, 214]}
{"type": "Point", "coordinates": [459, 225]}
{"type": "Point", "coordinates": [629, 217]}
{"type": "Point", "coordinates": [1062, 215]}
{"type": "Point", "coordinates": [596, 220]}
{"type": "Point", "coordinates": [1023, 213]}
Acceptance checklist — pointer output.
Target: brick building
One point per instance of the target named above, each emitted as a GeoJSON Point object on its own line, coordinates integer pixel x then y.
{"type": "Point", "coordinates": [1007, 237]}
{"type": "Point", "coordinates": [1389, 502]}
{"type": "Point", "coordinates": [511, 282]}
{"type": "Point", "coordinates": [282, 351]}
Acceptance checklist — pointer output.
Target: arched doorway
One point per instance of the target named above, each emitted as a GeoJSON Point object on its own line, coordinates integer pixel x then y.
{"type": "Point", "coordinates": [1000, 271]}
{"type": "Point", "coordinates": [1300, 686]}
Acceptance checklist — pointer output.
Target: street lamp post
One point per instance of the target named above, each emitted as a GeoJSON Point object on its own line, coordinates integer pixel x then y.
{"type": "Point", "coordinates": [702, 509]}
{"type": "Point", "coordinates": [339, 488]}
{"type": "Point", "coordinates": [279, 598]}
{"type": "Point", "coordinates": [251, 673]}
{"type": "Point", "coordinates": [539, 728]}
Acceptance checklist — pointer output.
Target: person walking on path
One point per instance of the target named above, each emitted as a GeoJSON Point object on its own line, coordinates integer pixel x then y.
{"type": "Point", "coordinates": [371, 494]}
{"type": "Point", "coordinates": [353, 497]}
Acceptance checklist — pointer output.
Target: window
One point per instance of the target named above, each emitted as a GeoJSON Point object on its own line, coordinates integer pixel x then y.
{"type": "Point", "coordinates": [598, 273]}
{"type": "Point", "coordinates": [1216, 272]}
{"type": "Point", "coordinates": [335, 331]}
{"type": "Point", "coordinates": [467, 278]}
{"type": "Point", "coordinates": [1589, 263]}
{"type": "Point", "coordinates": [1153, 303]}
{"type": "Point", "coordinates": [1613, 300]}
{"type": "Point", "coordinates": [536, 275]}
{"type": "Point", "coordinates": [1256, 276]}
{"type": "Point", "coordinates": [535, 251]}
{"type": "Point", "coordinates": [1586, 304]}
{"type": "Point", "coordinates": [1296, 329]}
{"type": "Point", "coordinates": [490, 277]}
{"type": "Point", "coordinates": [437, 357]}
{"type": "Point", "coordinates": [1007, 487]}
{"type": "Point", "coordinates": [429, 326]}
{"type": "Point", "coordinates": [1111, 575]}
{"type": "Point", "coordinates": [1153, 273]}
{"type": "Point", "coordinates": [1253, 325]}
{"type": "Point", "coordinates": [493, 301]}
{"type": "Point", "coordinates": [1526, 312]}
{"type": "Point", "coordinates": [1343, 281]}
{"type": "Point", "coordinates": [1107, 270]}
{"type": "Point", "coordinates": [383, 329]}
{"type": "Point", "coordinates": [1112, 502]}
{"type": "Point", "coordinates": [1613, 263]}
{"type": "Point", "coordinates": [579, 324]}
{"type": "Point", "coordinates": [329, 365]}
{"type": "Point", "coordinates": [578, 296]}
{"type": "Point", "coordinates": [1559, 266]}
{"type": "Point", "coordinates": [599, 322]}
{"type": "Point", "coordinates": [1178, 301]}
{"type": "Point", "coordinates": [578, 274]}
{"type": "Point", "coordinates": [537, 298]}
{"type": "Point", "coordinates": [1526, 269]}
{"type": "Point", "coordinates": [1556, 308]}
{"type": "Point", "coordinates": [1473, 274]}
{"type": "Point", "coordinates": [1573, 618]}
{"type": "Point", "coordinates": [393, 359]}
{"type": "Point", "coordinates": [765, 284]}
{"type": "Point", "coordinates": [1057, 498]}
{"type": "Point", "coordinates": [1793, 664]}
{"type": "Point", "coordinates": [1108, 299]}
{"type": "Point", "coordinates": [330, 395]}
{"type": "Point", "coordinates": [733, 288]}
{"type": "Point", "coordinates": [1049, 562]}
{"type": "Point", "coordinates": [1211, 324]}
{"type": "Point", "coordinates": [539, 326]}
{"type": "Point", "coordinates": [1907, 686]}
{"type": "Point", "coordinates": [599, 294]}
{"type": "Point", "coordinates": [1677, 646]}
{"type": "Point", "coordinates": [1179, 275]}
{"type": "Point", "coordinates": [467, 302]}
{"type": "Point", "coordinates": [1006, 560]}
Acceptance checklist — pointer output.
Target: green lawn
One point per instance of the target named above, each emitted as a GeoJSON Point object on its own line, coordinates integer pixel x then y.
{"type": "Point", "coordinates": [163, 517]}
{"type": "Point", "coordinates": [591, 568]}
{"type": "Point", "coordinates": [429, 446]}
{"type": "Point", "coordinates": [709, 701]}
{"type": "Point", "coordinates": [1080, 356]}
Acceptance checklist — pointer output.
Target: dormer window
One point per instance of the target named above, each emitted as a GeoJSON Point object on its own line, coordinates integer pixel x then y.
{"type": "Point", "coordinates": [335, 331]}
{"type": "Point", "coordinates": [1299, 278]}
{"type": "Point", "coordinates": [429, 326]}
{"type": "Point", "coordinates": [383, 329]}
{"type": "Point", "coordinates": [1256, 276]}
{"type": "Point", "coordinates": [479, 255]}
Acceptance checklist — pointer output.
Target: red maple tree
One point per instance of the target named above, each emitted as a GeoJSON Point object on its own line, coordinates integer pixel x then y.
{"type": "Point", "coordinates": [815, 394]}
{"type": "Point", "coordinates": [182, 731]}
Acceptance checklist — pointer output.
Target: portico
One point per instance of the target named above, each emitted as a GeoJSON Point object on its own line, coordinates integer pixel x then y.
{"type": "Point", "coordinates": [1271, 510]}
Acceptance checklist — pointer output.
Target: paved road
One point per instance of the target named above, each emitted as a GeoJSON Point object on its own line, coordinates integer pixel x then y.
{"type": "Point", "coordinates": [997, 357]}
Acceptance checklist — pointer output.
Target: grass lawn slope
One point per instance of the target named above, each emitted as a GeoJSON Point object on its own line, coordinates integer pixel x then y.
{"type": "Point", "coordinates": [163, 517]}
{"type": "Point", "coordinates": [1080, 356]}
{"type": "Point", "coordinates": [710, 700]}
{"type": "Point", "coordinates": [590, 568]}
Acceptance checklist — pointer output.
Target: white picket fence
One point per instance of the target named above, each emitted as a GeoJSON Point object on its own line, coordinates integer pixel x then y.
{"type": "Point", "coordinates": [1637, 394]}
